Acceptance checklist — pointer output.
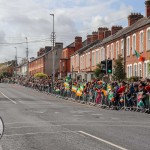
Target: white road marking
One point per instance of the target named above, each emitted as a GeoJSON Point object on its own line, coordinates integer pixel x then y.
{"type": "Point", "coordinates": [102, 140]}
{"type": "Point", "coordinates": [115, 118]}
{"type": "Point", "coordinates": [97, 114]}
{"type": "Point", "coordinates": [99, 125]}
{"type": "Point", "coordinates": [32, 126]}
{"type": "Point", "coordinates": [35, 133]}
{"type": "Point", "coordinates": [21, 102]}
{"type": "Point", "coordinates": [57, 112]}
{"type": "Point", "coordinates": [81, 122]}
{"type": "Point", "coordinates": [8, 98]}
{"type": "Point", "coordinates": [78, 115]}
{"type": "Point", "coordinates": [39, 112]}
{"type": "Point", "coordinates": [1, 147]}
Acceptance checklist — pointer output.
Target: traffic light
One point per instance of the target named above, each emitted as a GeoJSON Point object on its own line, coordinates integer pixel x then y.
{"type": "Point", "coordinates": [103, 66]}
{"type": "Point", "coordinates": [109, 66]}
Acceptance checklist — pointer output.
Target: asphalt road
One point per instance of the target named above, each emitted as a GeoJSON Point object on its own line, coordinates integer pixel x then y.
{"type": "Point", "coordinates": [37, 121]}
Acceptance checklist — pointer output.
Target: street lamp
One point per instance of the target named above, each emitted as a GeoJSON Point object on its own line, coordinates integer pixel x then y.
{"type": "Point", "coordinates": [16, 60]}
{"type": "Point", "coordinates": [53, 37]}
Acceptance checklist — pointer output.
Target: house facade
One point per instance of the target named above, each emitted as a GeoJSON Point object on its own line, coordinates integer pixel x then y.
{"type": "Point", "coordinates": [65, 66]}
{"type": "Point", "coordinates": [44, 61]}
{"type": "Point", "coordinates": [117, 41]}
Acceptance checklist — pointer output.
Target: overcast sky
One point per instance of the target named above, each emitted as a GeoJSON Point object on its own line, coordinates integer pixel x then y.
{"type": "Point", "coordinates": [31, 18]}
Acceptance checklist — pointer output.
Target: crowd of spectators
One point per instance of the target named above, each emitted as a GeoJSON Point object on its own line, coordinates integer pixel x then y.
{"type": "Point", "coordinates": [113, 95]}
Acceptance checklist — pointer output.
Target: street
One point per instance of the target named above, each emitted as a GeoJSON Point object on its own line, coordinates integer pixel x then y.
{"type": "Point", "coordinates": [37, 121]}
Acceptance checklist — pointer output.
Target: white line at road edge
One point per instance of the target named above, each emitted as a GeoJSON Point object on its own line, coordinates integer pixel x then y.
{"type": "Point", "coordinates": [8, 98]}
{"type": "Point", "coordinates": [102, 140]}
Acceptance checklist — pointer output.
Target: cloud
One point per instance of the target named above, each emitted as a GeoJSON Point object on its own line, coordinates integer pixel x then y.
{"type": "Point", "coordinates": [20, 19]}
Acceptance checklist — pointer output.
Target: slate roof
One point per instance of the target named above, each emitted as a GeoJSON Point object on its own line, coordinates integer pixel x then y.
{"type": "Point", "coordinates": [140, 23]}
{"type": "Point", "coordinates": [39, 56]}
{"type": "Point", "coordinates": [86, 47]}
{"type": "Point", "coordinates": [70, 45]}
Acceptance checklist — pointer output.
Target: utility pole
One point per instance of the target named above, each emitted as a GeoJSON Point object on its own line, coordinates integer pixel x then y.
{"type": "Point", "coordinates": [53, 42]}
{"type": "Point", "coordinates": [16, 62]}
{"type": "Point", "coordinates": [27, 55]}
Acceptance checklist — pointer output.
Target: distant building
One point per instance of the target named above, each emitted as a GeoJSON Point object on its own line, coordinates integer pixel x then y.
{"type": "Point", "coordinates": [65, 67]}
{"type": "Point", "coordinates": [44, 61]}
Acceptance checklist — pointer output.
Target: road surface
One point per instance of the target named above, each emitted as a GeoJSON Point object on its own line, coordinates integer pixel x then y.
{"type": "Point", "coordinates": [37, 121]}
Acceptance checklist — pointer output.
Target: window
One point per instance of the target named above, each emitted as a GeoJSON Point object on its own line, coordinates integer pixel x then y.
{"type": "Point", "coordinates": [135, 70]}
{"type": "Point", "coordinates": [102, 54]}
{"type": "Point", "coordinates": [89, 59]}
{"type": "Point", "coordinates": [117, 49]}
{"type": "Point", "coordinates": [141, 41]}
{"type": "Point", "coordinates": [140, 69]}
{"type": "Point", "coordinates": [96, 56]}
{"type": "Point", "coordinates": [128, 46]}
{"type": "Point", "coordinates": [81, 62]}
{"type": "Point", "coordinates": [146, 68]}
{"type": "Point", "coordinates": [73, 61]}
{"type": "Point", "coordinates": [148, 39]}
{"type": "Point", "coordinates": [108, 52]}
{"type": "Point", "coordinates": [122, 47]}
{"type": "Point", "coordinates": [92, 58]}
{"type": "Point", "coordinates": [83, 65]}
{"type": "Point", "coordinates": [129, 71]}
{"type": "Point", "coordinates": [112, 51]}
{"type": "Point", "coordinates": [133, 43]}
{"type": "Point", "coordinates": [77, 60]}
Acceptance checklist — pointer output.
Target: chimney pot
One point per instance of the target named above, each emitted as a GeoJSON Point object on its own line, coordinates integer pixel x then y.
{"type": "Point", "coordinates": [115, 29]}
{"type": "Point", "coordinates": [147, 5]}
{"type": "Point", "coordinates": [101, 31]}
{"type": "Point", "coordinates": [134, 17]}
{"type": "Point", "coordinates": [78, 42]}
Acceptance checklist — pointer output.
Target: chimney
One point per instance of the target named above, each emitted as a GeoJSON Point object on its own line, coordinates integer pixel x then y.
{"type": "Point", "coordinates": [89, 39]}
{"type": "Point", "coordinates": [134, 17]}
{"type": "Point", "coordinates": [115, 29]}
{"type": "Point", "coordinates": [94, 36]}
{"type": "Point", "coordinates": [101, 31]}
{"type": "Point", "coordinates": [78, 42]}
{"type": "Point", "coordinates": [147, 4]}
{"type": "Point", "coordinates": [107, 33]}
{"type": "Point", "coordinates": [38, 53]}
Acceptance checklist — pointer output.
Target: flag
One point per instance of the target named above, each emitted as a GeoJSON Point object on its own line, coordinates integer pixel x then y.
{"type": "Point", "coordinates": [108, 87]}
{"type": "Point", "coordinates": [105, 92]}
{"type": "Point", "coordinates": [81, 87]}
{"type": "Point", "coordinates": [66, 84]}
{"type": "Point", "coordinates": [57, 90]}
{"type": "Point", "coordinates": [74, 88]}
{"type": "Point", "coordinates": [140, 58]}
{"type": "Point", "coordinates": [79, 93]}
{"type": "Point", "coordinates": [67, 87]}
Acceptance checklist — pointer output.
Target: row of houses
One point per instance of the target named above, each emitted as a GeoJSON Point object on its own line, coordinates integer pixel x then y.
{"type": "Point", "coordinates": [81, 57]}
{"type": "Point", "coordinates": [43, 62]}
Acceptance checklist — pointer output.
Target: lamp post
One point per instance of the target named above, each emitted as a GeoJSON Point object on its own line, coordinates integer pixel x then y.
{"type": "Point", "coordinates": [16, 61]}
{"type": "Point", "coordinates": [27, 56]}
{"type": "Point", "coordinates": [53, 38]}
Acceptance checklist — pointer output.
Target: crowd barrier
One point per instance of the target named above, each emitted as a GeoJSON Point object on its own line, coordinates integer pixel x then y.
{"type": "Point", "coordinates": [121, 103]}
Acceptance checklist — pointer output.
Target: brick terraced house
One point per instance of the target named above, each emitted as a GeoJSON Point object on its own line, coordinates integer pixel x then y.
{"type": "Point", "coordinates": [110, 43]}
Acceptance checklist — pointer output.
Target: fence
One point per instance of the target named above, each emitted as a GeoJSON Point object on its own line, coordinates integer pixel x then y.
{"type": "Point", "coordinates": [120, 102]}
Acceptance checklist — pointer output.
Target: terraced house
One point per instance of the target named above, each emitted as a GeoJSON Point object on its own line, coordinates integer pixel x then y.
{"type": "Point", "coordinates": [110, 43]}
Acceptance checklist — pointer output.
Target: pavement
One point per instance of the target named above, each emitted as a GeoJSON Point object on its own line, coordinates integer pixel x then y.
{"type": "Point", "coordinates": [37, 121]}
